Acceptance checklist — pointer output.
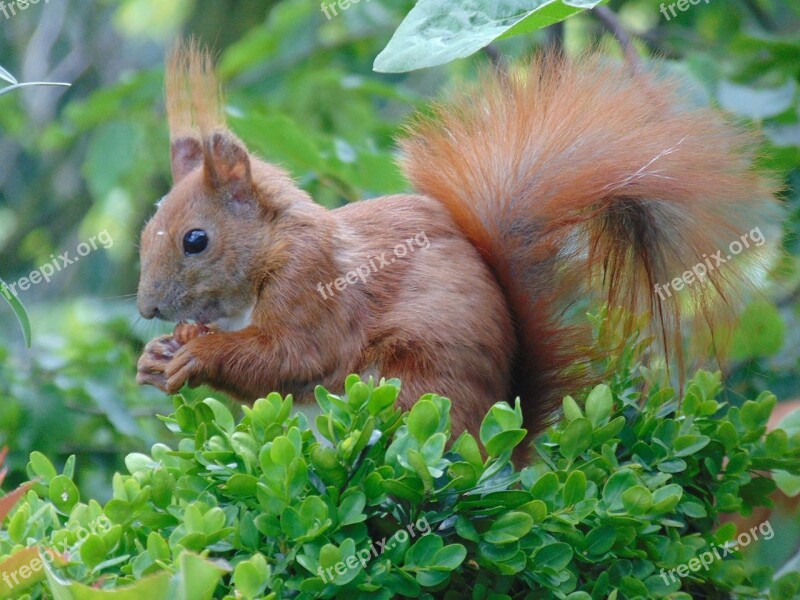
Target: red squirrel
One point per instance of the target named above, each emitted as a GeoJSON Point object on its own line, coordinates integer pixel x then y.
{"type": "Point", "coordinates": [535, 186]}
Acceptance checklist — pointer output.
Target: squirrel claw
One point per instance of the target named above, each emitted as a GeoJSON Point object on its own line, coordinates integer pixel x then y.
{"type": "Point", "coordinates": [180, 370]}
{"type": "Point", "coordinates": [155, 379]}
{"type": "Point", "coordinates": [154, 360]}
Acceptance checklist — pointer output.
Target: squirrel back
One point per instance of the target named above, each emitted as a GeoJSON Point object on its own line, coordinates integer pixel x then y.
{"type": "Point", "coordinates": [572, 175]}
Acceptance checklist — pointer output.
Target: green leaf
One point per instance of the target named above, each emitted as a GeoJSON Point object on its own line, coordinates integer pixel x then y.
{"type": "Point", "coordinates": [351, 508]}
{"type": "Point", "coordinates": [509, 528]}
{"type": "Point", "coordinates": [536, 509]}
{"type": "Point", "coordinates": [608, 431]}
{"type": "Point", "coordinates": [500, 418]}
{"type": "Point", "coordinates": [222, 416]}
{"type": "Point", "coordinates": [436, 32]}
{"type": "Point", "coordinates": [599, 404]}
{"type": "Point", "coordinates": [196, 579]}
{"type": "Point", "coordinates": [450, 557]}
{"type": "Point", "coordinates": [666, 498]}
{"type": "Point", "coordinates": [282, 451]}
{"type": "Point", "coordinates": [574, 488]}
{"type": "Point", "coordinates": [637, 500]}
{"type": "Point", "coordinates": [686, 445]}
{"type": "Point", "coordinates": [41, 467]}
{"type": "Point", "coordinates": [505, 441]}
{"type": "Point", "coordinates": [358, 394]}
{"type": "Point", "coordinates": [401, 490]}
{"type": "Point", "coordinates": [250, 576]}
{"type": "Point", "coordinates": [571, 409]}
{"type": "Point", "coordinates": [618, 484]}
{"type": "Point", "coordinates": [19, 310]}
{"type": "Point", "coordinates": [545, 487]}
{"type": "Point", "coordinates": [155, 587]}
{"type": "Point", "coordinates": [554, 556]}
{"type": "Point", "coordinates": [242, 485]}
{"type": "Point", "coordinates": [63, 493]}
{"type": "Point", "coordinates": [675, 465]}
{"type": "Point", "coordinates": [93, 550]}
{"type": "Point", "coordinates": [423, 551]}
{"type": "Point", "coordinates": [382, 398]}
{"type": "Point", "coordinates": [423, 420]}
{"type": "Point", "coordinates": [600, 540]}
{"type": "Point", "coordinates": [136, 462]}
{"type": "Point", "coordinates": [576, 438]}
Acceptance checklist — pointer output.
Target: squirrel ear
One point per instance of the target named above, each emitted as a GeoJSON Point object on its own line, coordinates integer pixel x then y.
{"type": "Point", "coordinates": [185, 154]}
{"type": "Point", "coordinates": [227, 166]}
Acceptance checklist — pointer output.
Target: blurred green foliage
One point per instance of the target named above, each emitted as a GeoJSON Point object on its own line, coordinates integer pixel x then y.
{"type": "Point", "coordinates": [301, 92]}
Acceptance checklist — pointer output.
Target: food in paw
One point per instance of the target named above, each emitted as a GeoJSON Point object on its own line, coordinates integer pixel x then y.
{"type": "Point", "coordinates": [186, 332]}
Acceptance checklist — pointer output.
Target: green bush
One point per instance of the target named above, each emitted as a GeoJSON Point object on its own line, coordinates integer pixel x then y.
{"type": "Point", "coordinates": [623, 490]}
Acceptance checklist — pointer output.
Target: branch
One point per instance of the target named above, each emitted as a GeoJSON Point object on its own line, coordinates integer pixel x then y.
{"type": "Point", "coordinates": [497, 58]}
{"type": "Point", "coordinates": [611, 22]}
{"type": "Point", "coordinates": [555, 36]}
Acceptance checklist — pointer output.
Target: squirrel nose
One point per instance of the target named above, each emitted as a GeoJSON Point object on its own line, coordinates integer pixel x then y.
{"type": "Point", "coordinates": [149, 311]}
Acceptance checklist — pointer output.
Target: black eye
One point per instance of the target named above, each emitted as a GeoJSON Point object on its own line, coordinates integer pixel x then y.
{"type": "Point", "coordinates": [195, 241]}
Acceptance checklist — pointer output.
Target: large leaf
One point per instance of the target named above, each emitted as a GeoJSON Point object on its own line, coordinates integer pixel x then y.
{"type": "Point", "coordinates": [12, 588]}
{"type": "Point", "coordinates": [19, 310]}
{"type": "Point", "coordinates": [154, 587]}
{"type": "Point", "coordinates": [196, 579]}
{"type": "Point", "coordinates": [436, 32]}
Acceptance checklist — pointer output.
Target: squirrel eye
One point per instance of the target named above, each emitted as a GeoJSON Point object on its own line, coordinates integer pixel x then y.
{"type": "Point", "coordinates": [195, 241]}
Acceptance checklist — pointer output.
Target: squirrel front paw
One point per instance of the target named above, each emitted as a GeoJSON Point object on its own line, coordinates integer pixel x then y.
{"type": "Point", "coordinates": [166, 363]}
{"type": "Point", "coordinates": [156, 356]}
{"type": "Point", "coordinates": [183, 368]}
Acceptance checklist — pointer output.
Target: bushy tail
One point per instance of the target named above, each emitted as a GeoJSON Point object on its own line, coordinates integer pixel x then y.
{"type": "Point", "coordinates": [575, 173]}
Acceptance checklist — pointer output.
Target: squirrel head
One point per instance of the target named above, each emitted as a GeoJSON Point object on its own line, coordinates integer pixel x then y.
{"type": "Point", "coordinates": [199, 250]}
{"type": "Point", "coordinates": [202, 252]}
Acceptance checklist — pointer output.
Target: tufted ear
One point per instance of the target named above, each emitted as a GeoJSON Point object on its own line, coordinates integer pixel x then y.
{"type": "Point", "coordinates": [227, 166]}
{"type": "Point", "coordinates": [186, 154]}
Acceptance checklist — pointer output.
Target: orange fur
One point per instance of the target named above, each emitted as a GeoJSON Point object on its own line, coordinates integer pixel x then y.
{"type": "Point", "coordinates": [193, 94]}
{"type": "Point", "coordinates": [570, 175]}
{"type": "Point", "coordinates": [537, 186]}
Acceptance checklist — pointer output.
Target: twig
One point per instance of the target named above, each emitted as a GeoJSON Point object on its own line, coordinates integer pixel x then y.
{"type": "Point", "coordinates": [11, 88]}
{"type": "Point", "coordinates": [555, 36]}
{"type": "Point", "coordinates": [611, 22]}
{"type": "Point", "coordinates": [497, 58]}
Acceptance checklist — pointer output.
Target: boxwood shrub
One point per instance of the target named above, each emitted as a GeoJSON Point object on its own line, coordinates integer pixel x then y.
{"type": "Point", "coordinates": [622, 501]}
